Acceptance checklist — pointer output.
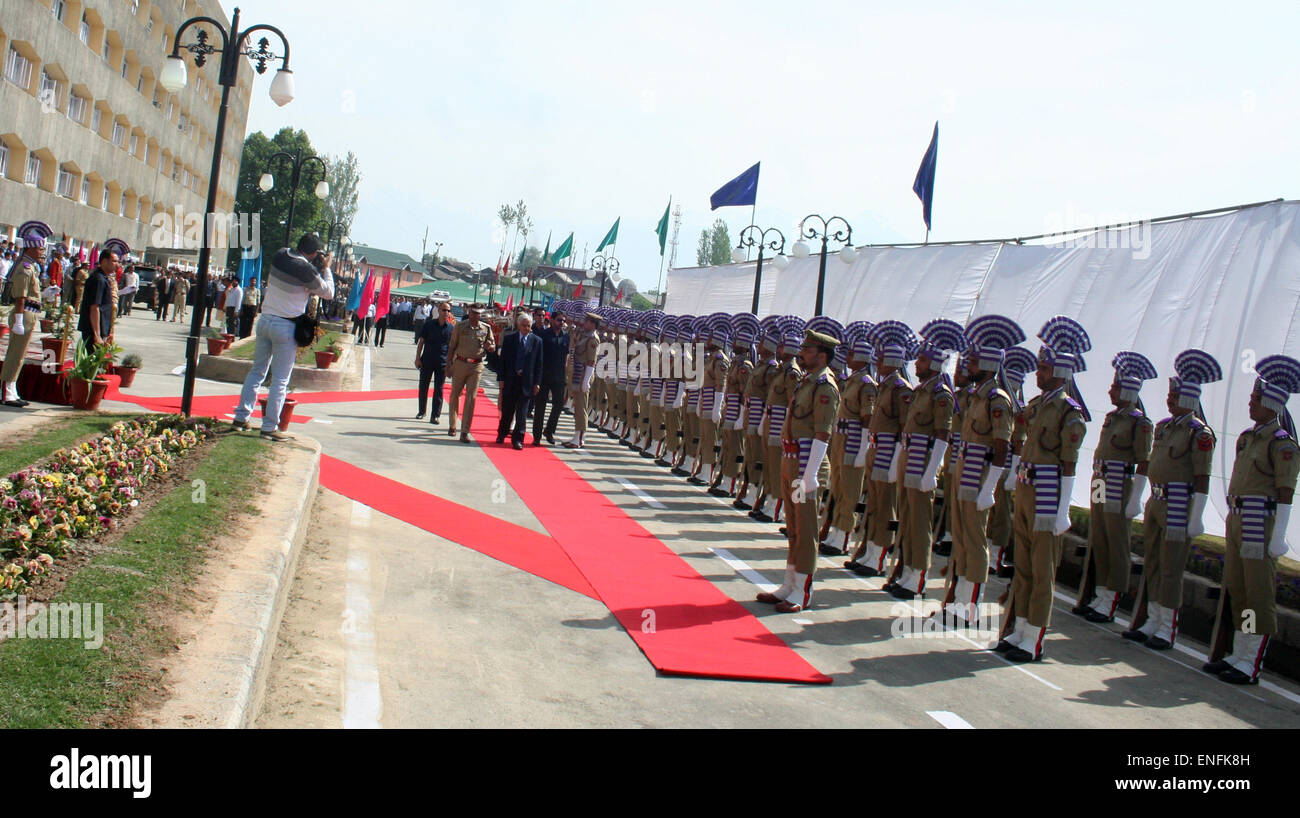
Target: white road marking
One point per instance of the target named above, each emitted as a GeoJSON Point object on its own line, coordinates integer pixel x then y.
{"type": "Point", "coordinates": [365, 371]}
{"type": "Point", "coordinates": [741, 567]}
{"type": "Point", "coordinates": [802, 621]}
{"type": "Point", "coordinates": [362, 702]}
{"type": "Point", "coordinates": [950, 720]}
{"type": "Point", "coordinates": [326, 422]}
{"type": "Point", "coordinates": [640, 495]}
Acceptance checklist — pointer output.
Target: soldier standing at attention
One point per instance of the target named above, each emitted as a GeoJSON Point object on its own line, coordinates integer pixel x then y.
{"type": "Point", "coordinates": [895, 344]}
{"type": "Point", "coordinates": [779, 393]}
{"type": "Point", "coordinates": [744, 332]}
{"type": "Point", "coordinates": [1119, 468]}
{"type": "Point", "coordinates": [849, 445]}
{"type": "Point", "coordinates": [674, 394]}
{"type": "Point", "coordinates": [691, 366]}
{"type": "Point", "coordinates": [1018, 363]}
{"type": "Point", "coordinates": [25, 290]}
{"type": "Point", "coordinates": [717, 335]}
{"type": "Point", "coordinates": [755, 413]}
{"type": "Point", "coordinates": [805, 439]}
{"type": "Point", "coordinates": [1259, 509]}
{"type": "Point", "coordinates": [470, 343]}
{"type": "Point", "coordinates": [981, 459]}
{"type": "Point", "coordinates": [1055, 423]}
{"type": "Point", "coordinates": [583, 370]}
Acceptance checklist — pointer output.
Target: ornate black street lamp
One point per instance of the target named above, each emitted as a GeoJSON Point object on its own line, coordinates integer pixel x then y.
{"type": "Point", "coordinates": [606, 266]}
{"type": "Point", "coordinates": [843, 235]}
{"type": "Point", "coordinates": [762, 242]}
{"type": "Point", "coordinates": [298, 163]}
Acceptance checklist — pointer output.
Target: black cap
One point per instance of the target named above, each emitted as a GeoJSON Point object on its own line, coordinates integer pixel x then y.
{"type": "Point", "coordinates": [309, 243]}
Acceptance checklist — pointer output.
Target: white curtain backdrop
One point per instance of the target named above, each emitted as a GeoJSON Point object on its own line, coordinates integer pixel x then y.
{"type": "Point", "coordinates": [1228, 284]}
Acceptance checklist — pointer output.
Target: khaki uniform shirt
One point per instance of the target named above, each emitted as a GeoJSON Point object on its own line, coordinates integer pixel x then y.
{"type": "Point", "coordinates": [858, 397]}
{"type": "Point", "coordinates": [1054, 429]}
{"type": "Point", "coordinates": [894, 395]}
{"type": "Point", "coordinates": [25, 282]}
{"type": "Point", "coordinates": [931, 408]}
{"type": "Point", "coordinates": [986, 416]}
{"type": "Point", "coordinates": [1126, 436]}
{"type": "Point", "coordinates": [1268, 460]}
{"type": "Point", "coordinates": [813, 407]}
{"type": "Point", "coordinates": [468, 342]}
{"type": "Point", "coordinates": [1183, 449]}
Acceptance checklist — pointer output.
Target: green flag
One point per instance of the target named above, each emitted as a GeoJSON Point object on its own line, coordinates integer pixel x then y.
{"type": "Point", "coordinates": [546, 254]}
{"type": "Point", "coordinates": [611, 237]}
{"type": "Point", "coordinates": [662, 229]}
{"type": "Point", "coordinates": [563, 251]}
{"type": "Point", "coordinates": [523, 254]}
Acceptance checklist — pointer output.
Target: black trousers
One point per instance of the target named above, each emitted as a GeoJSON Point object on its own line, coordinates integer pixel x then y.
{"type": "Point", "coordinates": [514, 410]}
{"type": "Point", "coordinates": [381, 330]}
{"type": "Point", "coordinates": [552, 394]}
{"type": "Point", "coordinates": [438, 375]}
{"type": "Point", "coordinates": [247, 314]}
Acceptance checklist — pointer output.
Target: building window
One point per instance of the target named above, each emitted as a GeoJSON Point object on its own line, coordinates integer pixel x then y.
{"type": "Point", "coordinates": [83, 31]}
{"type": "Point", "coordinates": [76, 108]}
{"type": "Point", "coordinates": [96, 118]}
{"type": "Point", "coordinates": [108, 49]}
{"type": "Point", "coordinates": [85, 190]}
{"type": "Point", "coordinates": [170, 107]}
{"type": "Point", "coordinates": [135, 143]}
{"type": "Point", "coordinates": [18, 69]}
{"type": "Point", "coordinates": [122, 208]}
{"type": "Point", "coordinates": [59, 8]}
{"type": "Point", "coordinates": [67, 186]}
{"type": "Point", "coordinates": [104, 204]}
{"type": "Point", "coordinates": [139, 83]}
{"type": "Point", "coordinates": [4, 160]}
{"type": "Point", "coordinates": [119, 134]}
{"type": "Point", "coordinates": [125, 66]}
{"type": "Point", "coordinates": [49, 89]}
{"type": "Point", "coordinates": [148, 27]}
{"type": "Point", "coordinates": [33, 170]}
{"type": "Point", "coordinates": [135, 6]}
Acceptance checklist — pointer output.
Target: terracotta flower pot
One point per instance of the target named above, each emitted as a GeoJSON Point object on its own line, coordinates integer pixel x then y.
{"type": "Point", "coordinates": [216, 346]}
{"type": "Point", "coordinates": [86, 395]}
{"type": "Point", "coordinates": [230, 339]}
{"type": "Point", "coordinates": [57, 345]}
{"type": "Point", "coordinates": [324, 359]}
{"type": "Point", "coordinates": [47, 325]}
{"type": "Point", "coordinates": [4, 330]}
{"type": "Point", "coordinates": [286, 414]}
{"type": "Point", "coordinates": [127, 374]}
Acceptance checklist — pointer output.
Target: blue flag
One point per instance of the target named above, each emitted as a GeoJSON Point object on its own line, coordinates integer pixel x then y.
{"type": "Point", "coordinates": [354, 297]}
{"type": "Point", "coordinates": [743, 190]}
{"type": "Point", "coordinates": [250, 267]}
{"type": "Point", "coordinates": [924, 184]}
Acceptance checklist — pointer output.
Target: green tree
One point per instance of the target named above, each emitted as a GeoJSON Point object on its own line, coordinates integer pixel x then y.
{"type": "Point", "coordinates": [720, 244]}
{"type": "Point", "coordinates": [344, 178]}
{"type": "Point", "coordinates": [272, 207]}
{"type": "Point", "coordinates": [703, 250]}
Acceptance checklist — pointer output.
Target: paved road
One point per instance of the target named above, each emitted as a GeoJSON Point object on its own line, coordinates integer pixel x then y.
{"type": "Point", "coordinates": [389, 625]}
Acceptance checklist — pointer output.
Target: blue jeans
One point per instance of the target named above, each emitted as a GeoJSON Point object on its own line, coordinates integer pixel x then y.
{"type": "Point", "coordinates": [276, 350]}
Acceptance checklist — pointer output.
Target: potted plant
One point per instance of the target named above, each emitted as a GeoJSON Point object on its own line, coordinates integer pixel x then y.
{"type": "Point", "coordinates": [324, 358]}
{"type": "Point", "coordinates": [60, 343]}
{"type": "Point", "coordinates": [47, 321]}
{"type": "Point", "coordinates": [229, 338]}
{"type": "Point", "coordinates": [216, 344]}
{"type": "Point", "coordinates": [286, 413]}
{"type": "Point", "coordinates": [127, 368]}
{"type": "Point", "coordinates": [87, 375]}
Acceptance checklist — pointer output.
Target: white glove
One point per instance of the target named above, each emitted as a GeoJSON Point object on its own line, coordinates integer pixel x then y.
{"type": "Point", "coordinates": [1277, 543]}
{"type": "Point", "coordinates": [1063, 507]}
{"type": "Point", "coordinates": [930, 480]}
{"type": "Point", "coordinates": [1195, 525]}
{"type": "Point", "coordinates": [895, 463]}
{"type": "Point", "coordinates": [815, 458]}
{"type": "Point", "coordinates": [1010, 483]}
{"type": "Point", "coordinates": [586, 378]}
{"type": "Point", "coordinates": [740, 421]}
{"type": "Point", "coordinates": [18, 328]}
{"type": "Point", "coordinates": [986, 500]}
{"type": "Point", "coordinates": [1134, 507]}
{"type": "Point", "coordinates": [716, 414]}
{"type": "Point", "coordinates": [681, 399]}
{"type": "Point", "coordinates": [860, 461]}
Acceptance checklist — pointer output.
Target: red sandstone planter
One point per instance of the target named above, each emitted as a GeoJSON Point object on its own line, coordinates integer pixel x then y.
{"type": "Point", "coordinates": [286, 414]}
{"type": "Point", "coordinates": [127, 374]}
{"type": "Point", "coordinates": [86, 395]}
{"type": "Point", "coordinates": [216, 346]}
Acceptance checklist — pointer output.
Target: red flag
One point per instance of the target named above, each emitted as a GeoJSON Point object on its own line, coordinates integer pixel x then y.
{"type": "Point", "coordinates": [384, 294]}
{"type": "Point", "coordinates": [368, 294]}
{"type": "Point", "coordinates": [506, 269]}
{"type": "Point", "coordinates": [94, 255]}
{"type": "Point", "coordinates": [578, 292]}
{"type": "Point", "coordinates": [510, 302]}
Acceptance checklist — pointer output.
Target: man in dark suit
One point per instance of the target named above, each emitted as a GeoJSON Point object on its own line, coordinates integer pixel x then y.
{"type": "Point", "coordinates": [162, 289]}
{"type": "Point", "coordinates": [521, 369]}
{"type": "Point", "coordinates": [555, 349]}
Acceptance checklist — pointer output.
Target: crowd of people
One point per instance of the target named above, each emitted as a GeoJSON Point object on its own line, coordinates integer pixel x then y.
{"type": "Point", "coordinates": [822, 427]}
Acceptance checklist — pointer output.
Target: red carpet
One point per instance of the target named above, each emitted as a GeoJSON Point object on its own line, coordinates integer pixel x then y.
{"type": "Point", "coordinates": [512, 544]}
{"type": "Point", "coordinates": [697, 629]}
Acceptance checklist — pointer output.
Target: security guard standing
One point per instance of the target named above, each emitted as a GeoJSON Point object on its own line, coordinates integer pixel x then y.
{"type": "Point", "coordinates": [1119, 469]}
{"type": "Point", "coordinates": [981, 459]}
{"type": "Point", "coordinates": [849, 446]}
{"type": "Point", "coordinates": [1055, 423]}
{"type": "Point", "coordinates": [674, 394]}
{"type": "Point", "coordinates": [717, 364]}
{"type": "Point", "coordinates": [805, 440]}
{"type": "Point", "coordinates": [755, 414]}
{"type": "Point", "coordinates": [1260, 494]}
{"type": "Point", "coordinates": [779, 392]}
{"type": "Point", "coordinates": [895, 344]}
{"type": "Point", "coordinates": [583, 368]}
{"type": "Point", "coordinates": [25, 290]}
{"type": "Point", "coordinates": [470, 343]}
{"type": "Point", "coordinates": [744, 332]}
{"type": "Point", "coordinates": [1018, 363]}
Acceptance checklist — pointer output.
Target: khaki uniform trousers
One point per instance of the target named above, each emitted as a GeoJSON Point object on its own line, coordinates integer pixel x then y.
{"type": "Point", "coordinates": [1038, 553]}
{"type": "Point", "coordinates": [1000, 528]}
{"type": "Point", "coordinates": [579, 410]}
{"type": "Point", "coordinates": [733, 453]}
{"type": "Point", "coordinates": [18, 345]}
{"type": "Point", "coordinates": [755, 452]}
{"type": "Point", "coordinates": [915, 531]}
{"type": "Point", "coordinates": [464, 377]}
{"type": "Point", "coordinates": [1251, 584]}
{"type": "Point", "coordinates": [800, 518]}
{"type": "Point", "coordinates": [1165, 559]}
{"type": "Point", "coordinates": [1109, 540]}
{"type": "Point", "coordinates": [882, 499]}
{"type": "Point", "coordinates": [970, 549]}
{"type": "Point", "coordinates": [846, 488]}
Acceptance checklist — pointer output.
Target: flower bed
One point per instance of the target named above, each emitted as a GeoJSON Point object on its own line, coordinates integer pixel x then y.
{"type": "Point", "coordinates": [79, 492]}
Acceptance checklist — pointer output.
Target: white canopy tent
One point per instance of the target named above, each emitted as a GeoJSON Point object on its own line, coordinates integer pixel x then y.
{"type": "Point", "coordinates": [1227, 283]}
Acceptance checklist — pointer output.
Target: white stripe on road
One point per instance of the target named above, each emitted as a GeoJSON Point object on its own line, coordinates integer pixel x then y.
{"type": "Point", "coordinates": [326, 422]}
{"type": "Point", "coordinates": [640, 495]}
{"type": "Point", "coordinates": [362, 701]}
{"type": "Point", "coordinates": [365, 371]}
{"type": "Point", "coordinates": [741, 567]}
{"type": "Point", "coordinates": [950, 720]}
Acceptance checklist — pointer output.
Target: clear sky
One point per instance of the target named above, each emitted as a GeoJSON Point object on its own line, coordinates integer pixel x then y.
{"type": "Point", "coordinates": [1049, 114]}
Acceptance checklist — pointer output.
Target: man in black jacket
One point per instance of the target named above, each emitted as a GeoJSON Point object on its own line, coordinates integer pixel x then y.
{"type": "Point", "coordinates": [521, 370]}
{"type": "Point", "coordinates": [431, 359]}
{"type": "Point", "coordinates": [555, 349]}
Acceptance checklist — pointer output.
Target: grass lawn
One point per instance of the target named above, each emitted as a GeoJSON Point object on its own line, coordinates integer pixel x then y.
{"type": "Point", "coordinates": [306, 356]}
{"type": "Point", "coordinates": [28, 449]}
{"type": "Point", "coordinates": [147, 571]}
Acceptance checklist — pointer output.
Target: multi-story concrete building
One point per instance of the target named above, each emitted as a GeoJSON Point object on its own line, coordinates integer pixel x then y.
{"type": "Point", "coordinates": [90, 142]}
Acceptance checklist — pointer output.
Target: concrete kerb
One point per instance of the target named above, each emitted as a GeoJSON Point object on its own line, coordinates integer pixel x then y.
{"type": "Point", "coordinates": [218, 677]}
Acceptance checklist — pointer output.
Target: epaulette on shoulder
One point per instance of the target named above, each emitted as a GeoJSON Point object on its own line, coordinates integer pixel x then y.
{"type": "Point", "coordinates": [899, 383]}
{"type": "Point", "coordinates": [1196, 424]}
{"type": "Point", "coordinates": [1282, 434]}
{"type": "Point", "coordinates": [1135, 413]}
{"type": "Point", "coordinates": [1073, 404]}
{"type": "Point", "coordinates": [824, 378]}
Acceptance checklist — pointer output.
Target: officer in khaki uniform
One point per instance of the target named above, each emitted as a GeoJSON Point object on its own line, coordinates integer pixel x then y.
{"type": "Point", "coordinates": [582, 370]}
{"type": "Point", "coordinates": [1055, 423]}
{"type": "Point", "coordinates": [469, 345]}
{"type": "Point", "coordinates": [655, 398]}
{"type": "Point", "coordinates": [849, 445]}
{"type": "Point", "coordinates": [1018, 363]}
{"type": "Point", "coordinates": [895, 344]}
{"type": "Point", "coordinates": [674, 394]}
{"type": "Point", "coordinates": [25, 290]}
{"type": "Point", "coordinates": [1260, 494]}
{"type": "Point", "coordinates": [805, 440]}
{"type": "Point", "coordinates": [755, 413]}
{"type": "Point", "coordinates": [715, 330]}
{"type": "Point", "coordinates": [779, 392]}
{"type": "Point", "coordinates": [692, 363]}
{"type": "Point", "coordinates": [1119, 475]}
{"type": "Point", "coordinates": [981, 459]}
{"type": "Point", "coordinates": [744, 331]}
{"type": "Point", "coordinates": [925, 444]}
